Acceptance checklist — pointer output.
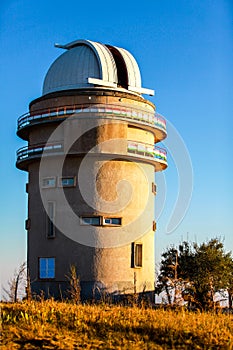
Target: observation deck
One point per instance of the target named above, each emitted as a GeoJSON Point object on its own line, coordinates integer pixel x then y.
{"type": "Point", "coordinates": [153, 122]}
{"type": "Point", "coordinates": [143, 152]}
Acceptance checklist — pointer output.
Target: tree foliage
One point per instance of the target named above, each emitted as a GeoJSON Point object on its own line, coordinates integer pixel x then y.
{"type": "Point", "coordinates": [194, 273]}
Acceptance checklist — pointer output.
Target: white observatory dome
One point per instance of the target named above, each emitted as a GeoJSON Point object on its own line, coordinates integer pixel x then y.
{"type": "Point", "coordinates": [88, 64]}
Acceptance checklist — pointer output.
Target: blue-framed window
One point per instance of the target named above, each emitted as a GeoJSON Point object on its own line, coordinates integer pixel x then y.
{"type": "Point", "coordinates": [112, 221]}
{"type": "Point", "coordinates": [49, 182]}
{"type": "Point", "coordinates": [91, 220]}
{"type": "Point", "coordinates": [67, 181]}
{"type": "Point", "coordinates": [46, 267]}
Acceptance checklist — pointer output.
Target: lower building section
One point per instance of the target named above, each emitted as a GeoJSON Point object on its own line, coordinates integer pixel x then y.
{"type": "Point", "coordinates": [114, 272]}
{"type": "Point", "coordinates": [89, 291]}
{"type": "Point", "coordinates": [118, 259]}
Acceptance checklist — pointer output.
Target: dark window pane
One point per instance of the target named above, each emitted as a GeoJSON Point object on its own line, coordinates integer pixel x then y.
{"type": "Point", "coordinates": [90, 220]}
{"type": "Point", "coordinates": [116, 221]}
{"type": "Point", "coordinates": [112, 221]}
{"type": "Point", "coordinates": [67, 181]}
{"type": "Point", "coordinates": [49, 182]}
{"type": "Point", "coordinates": [138, 255]}
{"type": "Point", "coordinates": [51, 218]}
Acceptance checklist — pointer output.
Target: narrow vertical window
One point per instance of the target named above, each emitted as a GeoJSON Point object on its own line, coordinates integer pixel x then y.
{"type": "Point", "coordinates": [50, 220]}
{"type": "Point", "coordinates": [136, 255]}
{"type": "Point", "coordinates": [27, 224]}
{"type": "Point", "coordinates": [154, 226]}
{"type": "Point", "coordinates": [154, 190]}
{"type": "Point", "coordinates": [46, 267]}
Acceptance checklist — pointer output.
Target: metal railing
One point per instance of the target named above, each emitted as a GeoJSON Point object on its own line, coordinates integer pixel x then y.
{"type": "Point", "coordinates": [133, 147]}
{"type": "Point", "coordinates": [27, 152]}
{"type": "Point", "coordinates": [155, 120]}
{"type": "Point", "coordinates": [146, 150]}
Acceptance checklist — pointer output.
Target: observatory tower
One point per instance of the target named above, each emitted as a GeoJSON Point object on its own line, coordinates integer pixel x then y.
{"type": "Point", "coordinates": [91, 158]}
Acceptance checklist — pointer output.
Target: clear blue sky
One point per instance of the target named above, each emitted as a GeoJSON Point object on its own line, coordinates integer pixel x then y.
{"type": "Point", "coordinates": [185, 52]}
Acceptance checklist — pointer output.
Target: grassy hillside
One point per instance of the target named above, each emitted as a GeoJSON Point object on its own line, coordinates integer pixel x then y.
{"type": "Point", "coordinates": [53, 325]}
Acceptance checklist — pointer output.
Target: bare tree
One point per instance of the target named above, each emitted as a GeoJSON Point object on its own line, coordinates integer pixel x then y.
{"type": "Point", "coordinates": [16, 285]}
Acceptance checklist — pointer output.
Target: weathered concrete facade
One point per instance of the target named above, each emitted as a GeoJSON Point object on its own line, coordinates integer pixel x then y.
{"type": "Point", "coordinates": [117, 130]}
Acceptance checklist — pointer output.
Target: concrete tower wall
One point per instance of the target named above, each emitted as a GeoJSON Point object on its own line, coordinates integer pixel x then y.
{"type": "Point", "coordinates": [110, 267]}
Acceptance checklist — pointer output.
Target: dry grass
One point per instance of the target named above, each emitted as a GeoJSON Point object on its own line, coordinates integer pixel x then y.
{"type": "Point", "coordinates": [53, 325]}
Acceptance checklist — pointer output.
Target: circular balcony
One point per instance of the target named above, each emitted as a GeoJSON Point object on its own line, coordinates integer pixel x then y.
{"type": "Point", "coordinates": [154, 122]}
{"type": "Point", "coordinates": [146, 152]}
{"type": "Point", "coordinates": [26, 154]}
{"type": "Point", "coordinates": [141, 152]}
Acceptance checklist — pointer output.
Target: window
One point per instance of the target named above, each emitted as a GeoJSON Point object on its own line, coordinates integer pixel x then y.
{"type": "Point", "coordinates": [51, 219]}
{"type": "Point", "coordinates": [27, 224]}
{"type": "Point", "coordinates": [112, 221]}
{"type": "Point", "coordinates": [154, 226]}
{"type": "Point", "coordinates": [137, 255]}
{"type": "Point", "coordinates": [49, 182]}
{"type": "Point", "coordinates": [90, 220]}
{"type": "Point", "coordinates": [67, 181]}
{"type": "Point", "coordinates": [46, 267]}
{"type": "Point", "coordinates": [153, 188]}
{"type": "Point", "coordinates": [100, 221]}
